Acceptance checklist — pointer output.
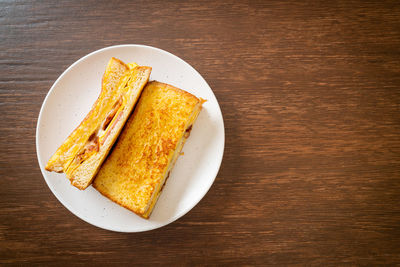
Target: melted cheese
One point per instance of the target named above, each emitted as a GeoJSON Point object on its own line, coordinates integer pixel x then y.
{"type": "Point", "coordinates": [64, 155]}
{"type": "Point", "coordinates": [113, 107]}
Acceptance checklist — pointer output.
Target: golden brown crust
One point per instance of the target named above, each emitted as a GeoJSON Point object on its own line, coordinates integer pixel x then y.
{"type": "Point", "coordinates": [61, 158]}
{"type": "Point", "coordinates": [135, 171]}
{"type": "Point", "coordinates": [83, 173]}
{"type": "Point", "coordinates": [82, 153]}
{"type": "Point", "coordinates": [109, 196]}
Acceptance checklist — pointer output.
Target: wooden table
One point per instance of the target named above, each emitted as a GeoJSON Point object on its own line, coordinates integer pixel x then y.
{"type": "Point", "coordinates": [310, 93]}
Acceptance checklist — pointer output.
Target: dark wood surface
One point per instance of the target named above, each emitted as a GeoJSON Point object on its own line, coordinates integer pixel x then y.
{"type": "Point", "coordinates": [310, 94]}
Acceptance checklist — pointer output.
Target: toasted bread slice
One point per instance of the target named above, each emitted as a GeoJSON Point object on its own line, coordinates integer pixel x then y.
{"type": "Point", "coordinates": [83, 152]}
{"type": "Point", "coordinates": [135, 171]}
{"type": "Point", "coordinates": [66, 152]}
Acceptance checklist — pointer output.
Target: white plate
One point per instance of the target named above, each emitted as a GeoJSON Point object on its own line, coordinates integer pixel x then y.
{"type": "Point", "coordinates": [71, 97]}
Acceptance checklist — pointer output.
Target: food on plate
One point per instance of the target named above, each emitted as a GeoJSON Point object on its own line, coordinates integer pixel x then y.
{"type": "Point", "coordinates": [134, 173]}
{"type": "Point", "coordinates": [83, 152]}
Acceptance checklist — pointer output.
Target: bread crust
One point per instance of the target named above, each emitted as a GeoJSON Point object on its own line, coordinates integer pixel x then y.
{"type": "Point", "coordinates": [136, 169]}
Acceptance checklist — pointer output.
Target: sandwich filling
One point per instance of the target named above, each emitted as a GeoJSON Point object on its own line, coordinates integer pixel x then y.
{"type": "Point", "coordinates": [62, 158]}
{"type": "Point", "coordinates": [113, 110]}
{"type": "Point", "coordinates": [83, 152]}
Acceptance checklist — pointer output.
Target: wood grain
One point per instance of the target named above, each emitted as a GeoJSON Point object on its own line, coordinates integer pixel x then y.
{"type": "Point", "coordinates": [310, 93]}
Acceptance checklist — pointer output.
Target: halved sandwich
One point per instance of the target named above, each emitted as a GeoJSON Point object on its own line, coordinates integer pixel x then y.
{"type": "Point", "coordinates": [135, 171]}
{"type": "Point", "coordinates": [83, 152]}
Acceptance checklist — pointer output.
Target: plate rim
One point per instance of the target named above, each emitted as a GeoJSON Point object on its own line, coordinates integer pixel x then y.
{"type": "Point", "coordinates": [64, 202]}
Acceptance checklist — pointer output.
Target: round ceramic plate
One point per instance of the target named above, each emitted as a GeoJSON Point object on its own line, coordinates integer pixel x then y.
{"type": "Point", "coordinates": [71, 97]}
